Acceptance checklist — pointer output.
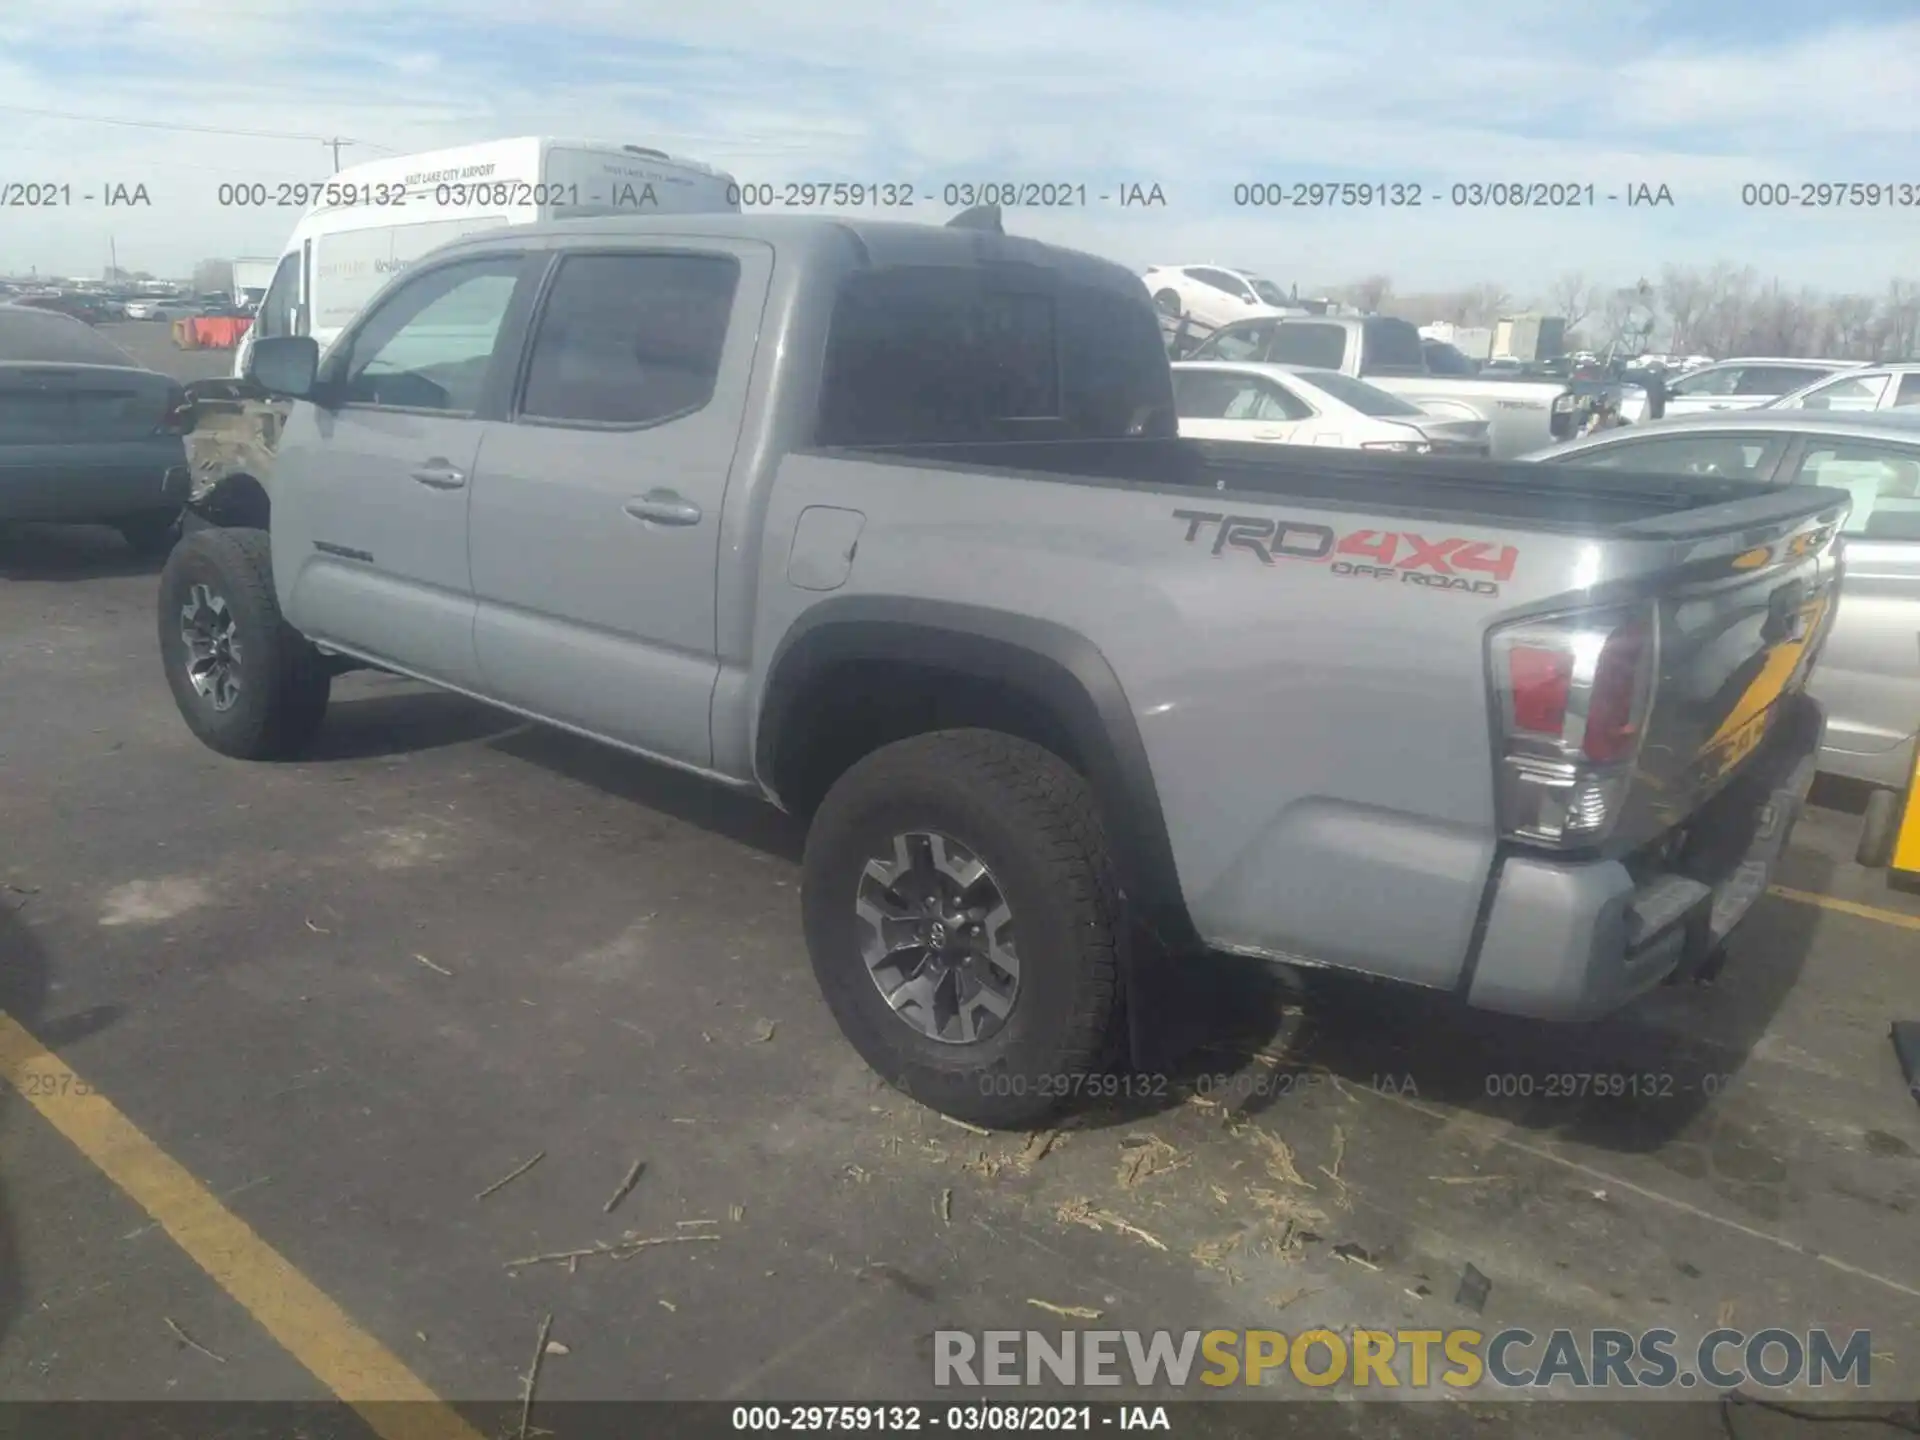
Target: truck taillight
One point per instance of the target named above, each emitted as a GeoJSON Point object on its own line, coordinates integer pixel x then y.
{"type": "Point", "coordinates": [1572, 694]}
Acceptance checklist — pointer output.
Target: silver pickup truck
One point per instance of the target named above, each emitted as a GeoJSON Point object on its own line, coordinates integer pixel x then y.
{"type": "Point", "coordinates": [891, 526]}
{"type": "Point", "coordinates": [1521, 414]}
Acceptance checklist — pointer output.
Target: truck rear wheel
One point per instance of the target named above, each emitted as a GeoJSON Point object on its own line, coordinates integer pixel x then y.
{"type": "Point", "coordinates": [963, 917]}
{"type": "Point", "coordinates": [247, 683]}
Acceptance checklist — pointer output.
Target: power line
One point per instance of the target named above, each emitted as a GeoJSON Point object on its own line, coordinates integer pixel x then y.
{"type": "Point", "coordinates": [331, 140]}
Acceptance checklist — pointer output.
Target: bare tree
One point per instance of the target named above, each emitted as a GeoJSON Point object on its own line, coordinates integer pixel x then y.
{"type": "Point", "coordinates": [1483, 304]}
{"type": "Point", "coordinates": [1571, 296]}
{"type": "Point", "coordinates": [1370, 294]}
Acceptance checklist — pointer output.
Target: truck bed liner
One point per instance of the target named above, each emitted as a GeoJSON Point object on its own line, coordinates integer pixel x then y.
{"type": "Point", "coordinates": [1576, 500]}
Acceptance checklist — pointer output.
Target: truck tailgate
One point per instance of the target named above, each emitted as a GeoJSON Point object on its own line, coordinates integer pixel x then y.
{"type": "Point", "coordinates": [1738, 627]}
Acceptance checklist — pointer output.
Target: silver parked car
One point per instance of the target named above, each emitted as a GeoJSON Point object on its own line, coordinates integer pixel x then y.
{"type": "Point", "coordinates": [1746, 382]}
{"type": "Point", "coordinates": [1869, 675]}
{"type": "Point", "coordinates": [1874, 387]}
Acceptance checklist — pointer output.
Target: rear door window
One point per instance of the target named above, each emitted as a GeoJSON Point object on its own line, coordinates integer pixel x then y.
{"type": "Point", "coordinates": [1774, 379]}
{"type": "Point", "coordinates": [1318, 347]}
{"type": "Point", "coordinates": [1237, 342]}
{"type": "Point", "coordinates": [1719, 380]}
{"type": "Point", "coordinates": [1390, 345]}
{"type": "Point", "coordinates": [1909, 392]}
{"type": "Point", "coordinates": [1207, 394]}
{"type": "Point", "coordinates": [630, 340]}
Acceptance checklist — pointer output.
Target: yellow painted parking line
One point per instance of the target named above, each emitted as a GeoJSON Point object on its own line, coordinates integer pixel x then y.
{"type": "Point", "coordinates": [1846, 907]}
{"type": "Point", "coordinates": [393, 1401]}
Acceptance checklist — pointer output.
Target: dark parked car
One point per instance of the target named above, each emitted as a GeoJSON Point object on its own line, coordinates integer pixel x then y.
{"type": "Point", "coordinates": [86, 435]}
{"type": "Point", "coordinates": [87, 308]}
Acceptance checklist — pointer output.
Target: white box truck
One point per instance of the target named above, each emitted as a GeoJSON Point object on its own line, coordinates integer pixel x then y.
{"type": "Point", "coordinates": [372, 220]}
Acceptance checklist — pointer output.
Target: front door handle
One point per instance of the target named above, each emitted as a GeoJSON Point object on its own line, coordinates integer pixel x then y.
{"type": "Point", "coordinates": [437, 474]}
{"type": "Point", "coordinates": [664, 507]}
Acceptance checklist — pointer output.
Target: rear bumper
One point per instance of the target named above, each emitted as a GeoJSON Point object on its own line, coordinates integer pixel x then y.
{"type": "Point", "coordinates": [1571, 941]}
{"type": "Point", "coordinates": [95, 482]}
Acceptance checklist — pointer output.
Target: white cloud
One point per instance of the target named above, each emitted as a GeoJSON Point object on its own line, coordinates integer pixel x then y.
{"type": "Point", "coordinates": [1073, 90]}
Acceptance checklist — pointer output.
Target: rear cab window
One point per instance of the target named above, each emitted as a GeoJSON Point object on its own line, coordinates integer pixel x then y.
{"type": "Point", "coordinates": [948, 354]}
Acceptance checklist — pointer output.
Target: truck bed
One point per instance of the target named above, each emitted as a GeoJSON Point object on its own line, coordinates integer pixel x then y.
{"type": "Point", "coordinates": [1566, 500]}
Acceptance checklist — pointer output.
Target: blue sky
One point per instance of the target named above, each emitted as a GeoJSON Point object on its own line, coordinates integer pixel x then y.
{"type": "Point", "coordinates": [1702, 97]}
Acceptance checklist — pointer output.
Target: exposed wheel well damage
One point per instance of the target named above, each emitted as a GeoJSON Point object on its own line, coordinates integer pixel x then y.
{"type": "Point", "coordinates": [236, 502]}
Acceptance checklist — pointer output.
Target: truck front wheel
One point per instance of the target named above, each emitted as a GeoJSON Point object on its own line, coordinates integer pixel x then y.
{"type": "Point", "coordinates": [963, 917]}
{"type": "Point", "coordinates": [247, 683]}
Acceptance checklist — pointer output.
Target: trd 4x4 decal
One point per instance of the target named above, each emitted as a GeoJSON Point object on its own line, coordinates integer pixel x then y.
{"type": "Point", "coordinates": [1451, 563]}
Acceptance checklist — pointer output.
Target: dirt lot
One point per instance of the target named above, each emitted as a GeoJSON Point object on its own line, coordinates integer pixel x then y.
{"type": "Point", "coordinates": [335, 1001]}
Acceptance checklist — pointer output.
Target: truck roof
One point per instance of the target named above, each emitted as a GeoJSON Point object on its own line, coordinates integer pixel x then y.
{"type": "Point", "coordinates": [877, 242]}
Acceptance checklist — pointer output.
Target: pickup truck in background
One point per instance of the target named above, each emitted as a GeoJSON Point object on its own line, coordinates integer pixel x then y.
{"type": "Point", "coordinates": [890, 526]}
{"type": "Point", "coordinates": [1521, 415]}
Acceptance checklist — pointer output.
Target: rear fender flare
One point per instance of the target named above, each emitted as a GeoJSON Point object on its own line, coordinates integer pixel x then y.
{"type": "Point", "coordinates": [1059, 668]}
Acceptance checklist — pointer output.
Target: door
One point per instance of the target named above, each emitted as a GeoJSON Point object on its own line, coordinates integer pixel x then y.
{"type": "Point", "coordinates": [370, 496]}
{"type": "Point", "coordinates": [1868, 676]}
{"type": "Point", "coordinates": [596, 525]}
{"type": "Point", "coordinates": [1231, 405]}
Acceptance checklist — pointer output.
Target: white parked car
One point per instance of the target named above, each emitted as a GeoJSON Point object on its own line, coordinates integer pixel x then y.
{"type": "Point", "coordinates": [1872, 387]}
{"type": "Point", "coordinates": [163, 307]}
{"type": "Point", "coordinates": [1746, 383]}
{"type": "Point", "coordinates": [1216, 295]}
{"type": "Point", "coordinates": [1293, 405]}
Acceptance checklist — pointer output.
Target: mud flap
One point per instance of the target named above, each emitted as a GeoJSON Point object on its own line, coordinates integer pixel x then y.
{"type": "Point", "coordinates": [1177, 1002]}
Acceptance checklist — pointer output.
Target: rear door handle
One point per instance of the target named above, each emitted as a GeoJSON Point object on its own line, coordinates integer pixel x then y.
{"type": "Point", "coordinates": [664, 507]}
{"type": "Point", "coordinates": [1271, 434]}
{"type": "Point", "coordinates": [439, 475]}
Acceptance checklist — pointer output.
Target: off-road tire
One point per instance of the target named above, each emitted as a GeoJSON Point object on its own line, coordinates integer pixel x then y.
{"type": "Point", "coordinates": [152, 534]}
{"type": "Point", "coordinates": [1032, 820]}
{"type": "Point", "coordinates": [284, 680]}
{"type": "Point", "coordinates": [1879, 829]}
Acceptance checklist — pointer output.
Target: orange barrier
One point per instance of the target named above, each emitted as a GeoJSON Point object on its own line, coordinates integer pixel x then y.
{"type": "Point", "coordinates": [183, 336]}
{"type": "Point", "coordinates": [219, 332]}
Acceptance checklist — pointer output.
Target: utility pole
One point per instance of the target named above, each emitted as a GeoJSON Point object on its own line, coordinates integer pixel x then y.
{"type": "Point", "coordinates": [334, 145]}
{"type": "Point", "coordinates": [113, 261]}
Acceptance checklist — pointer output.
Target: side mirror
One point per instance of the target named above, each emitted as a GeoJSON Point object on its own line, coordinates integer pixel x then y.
{"type": "Point", "coordinates": [285, 365]}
